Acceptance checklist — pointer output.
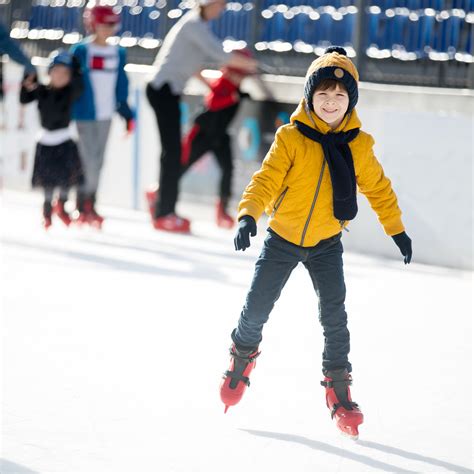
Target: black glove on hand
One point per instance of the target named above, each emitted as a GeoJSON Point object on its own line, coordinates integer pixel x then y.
{"type": "Point", "coordinates": [404, 244]}
{"type": "Point", "coordinates": [247, 228]}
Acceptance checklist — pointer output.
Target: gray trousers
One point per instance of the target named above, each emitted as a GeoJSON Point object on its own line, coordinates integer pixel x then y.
{"type": "Point", "coordinates": [93, 135]}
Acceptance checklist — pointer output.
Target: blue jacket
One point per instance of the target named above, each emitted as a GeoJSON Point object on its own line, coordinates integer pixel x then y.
{"type": "Point", "coordinates": [10, 47]}
{"type": "Point", "coordinates": [84, 107]}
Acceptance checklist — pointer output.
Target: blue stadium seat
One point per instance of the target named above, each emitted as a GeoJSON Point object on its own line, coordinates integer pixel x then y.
{"type": "Point", "coordinates": [373, 29]}
{"type": "Point", "coordinates": [436, 5]}
{"type": "Point", "coordinates": [299, 28]}
{"type": "Point", "coordinates": [342, 29]}
{"type": "Point", "coordinates": [274, 28]}
{"type": "Point", "coordinates": [39, 17]}
{"type": "Point", "coordinates": [72, 20]}
{"type": "Point", "coordinates": [234, 23]}
{"type": "Point", "coordinates": [63, 18]}
{"type": "Point", "coordinates": [453, 30]}
{"type": "Point", "coordinates": [322, 30]}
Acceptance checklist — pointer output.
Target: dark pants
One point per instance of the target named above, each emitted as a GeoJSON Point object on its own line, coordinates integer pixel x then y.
{"type": "Point", "coordinates": [220, 146]}
{"type": "Point", "coordinates": [168, 116]}
{"type": "Point", "coordinates": [272, 270]}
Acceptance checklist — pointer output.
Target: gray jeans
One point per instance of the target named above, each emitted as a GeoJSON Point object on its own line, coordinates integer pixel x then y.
{"type": "Point", "coordinates": [93, 135]}
{"type": "Point", "coordinates": [272, 270]}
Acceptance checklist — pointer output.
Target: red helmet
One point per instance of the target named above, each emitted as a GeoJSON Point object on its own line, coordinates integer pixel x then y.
{"type": "Point", "coordinates": [100, 15]}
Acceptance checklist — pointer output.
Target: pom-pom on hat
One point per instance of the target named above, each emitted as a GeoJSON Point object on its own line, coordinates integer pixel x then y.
{"type": "Point", "coordinates": [333, 64]}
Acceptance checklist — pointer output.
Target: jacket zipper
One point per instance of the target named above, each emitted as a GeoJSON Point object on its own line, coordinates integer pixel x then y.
{"type": "Point", "coordinates": [342, 226]}
{"type": "Point", "coordinates": [279, 201]}
{"type": "Point", "coordinates": [314, 202]}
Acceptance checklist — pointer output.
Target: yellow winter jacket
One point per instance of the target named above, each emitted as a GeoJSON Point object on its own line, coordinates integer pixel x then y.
{"type": "Point", "coordinates": [294, 188]}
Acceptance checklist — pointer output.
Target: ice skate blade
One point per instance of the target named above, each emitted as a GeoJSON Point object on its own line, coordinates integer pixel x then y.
{"type": "Point", "coordinates": [354, 437]}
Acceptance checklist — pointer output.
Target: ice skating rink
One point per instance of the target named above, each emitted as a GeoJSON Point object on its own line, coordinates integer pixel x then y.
{"type": "Point", "coordinates": [113, 344]}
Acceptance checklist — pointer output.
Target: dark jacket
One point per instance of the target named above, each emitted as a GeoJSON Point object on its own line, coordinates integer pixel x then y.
{"type": "Point", "coordinates": [55, 105]}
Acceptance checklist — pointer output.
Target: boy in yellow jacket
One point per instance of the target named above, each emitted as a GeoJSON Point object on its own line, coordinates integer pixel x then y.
{"type": "Point", "coordinates": [307, 185]}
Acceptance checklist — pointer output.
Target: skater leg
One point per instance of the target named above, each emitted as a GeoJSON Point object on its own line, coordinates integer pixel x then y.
{"type": "Point", "coordinates": [224, 158]}
{"type": "Point", "coordinates": [166, 106]}
{"type": "Point", "coordinates": [47, 207]}
{"type": "Point", "coordinates": [223, 155]}
{"type": "Point", "coordinates": [63, 194]}
{"type": "Point", "coordinates": [59, 209]}
{"type": "Point", "coordinates": [325, 267]}
{"type": "Point", "coordinates": [272, 270]}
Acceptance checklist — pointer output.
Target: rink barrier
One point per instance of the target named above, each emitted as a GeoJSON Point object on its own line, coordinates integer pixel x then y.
{"type": "Point", "coordinates": [423, 138]}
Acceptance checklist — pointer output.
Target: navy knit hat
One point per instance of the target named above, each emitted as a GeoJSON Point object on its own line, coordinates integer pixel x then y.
{"type": "Point", "coordinates": [333, 64]}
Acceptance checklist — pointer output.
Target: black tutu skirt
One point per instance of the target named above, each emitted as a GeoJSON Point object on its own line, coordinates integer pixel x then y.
{"type": "Point", "coordinates": [57, 166]}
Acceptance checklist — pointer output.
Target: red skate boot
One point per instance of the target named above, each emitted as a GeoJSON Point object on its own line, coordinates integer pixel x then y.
{"type": "Point", "coordinates": [338, 399]}
{"type": "Point", "coordinates": [236, 379]}
{"type": "Point", "coordinates": [172, 223]}
{"type": "Point", "coordinates": [223, 219]}
{"type": "Point", "coordinates": [151, 197]}
{"type": "Point", "coordinates": [80, 216]}
{"type": "Point", "coordinates": [47, 213]}
{"type": "Point", "coordinates": [59, 210]}
{"type": "Point", "coordinates": [93, 217]}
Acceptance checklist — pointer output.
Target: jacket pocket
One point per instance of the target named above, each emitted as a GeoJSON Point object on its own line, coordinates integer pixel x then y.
{"type": "Point", "coordinates": [279, 201]}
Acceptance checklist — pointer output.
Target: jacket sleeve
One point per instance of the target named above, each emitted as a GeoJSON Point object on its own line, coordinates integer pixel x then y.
{"type": "Point", "coordinates": [27, 96]}
{"type": "Point", "coordinates": [268, 180]}
{"type": "Point", "coordinates": [10, 47]}
{"type": "Point", "coordinates": [77, 80]}
{"type": "Point", "coordinates": [121, 90]}
{"type": "Point", "coordinates": [377, 188]}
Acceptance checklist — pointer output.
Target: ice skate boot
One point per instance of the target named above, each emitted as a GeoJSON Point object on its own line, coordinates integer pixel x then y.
{"type": "Point", "coordinates": [80, 216]}
{"type": "Point", "coordinates": [93, 217]}
{"type": "Point", "coordinates": [223, 219]}
{"type": "Point", "coordinates": [236, 379]}
{"type": "Point", "coordinates": [172, 223]}
{"type": "Point", "coordinates": [151, 197]}
{"type": "Point", "coordinates": [59, 210]}
{"type": "Point", "coordinates": [338, 399]}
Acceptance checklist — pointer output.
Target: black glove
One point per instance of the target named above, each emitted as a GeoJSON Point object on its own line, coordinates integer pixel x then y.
{"type": "Point", "coordinates": [247, 228]}
{"type": "Point", "coordinates": [404, 244]}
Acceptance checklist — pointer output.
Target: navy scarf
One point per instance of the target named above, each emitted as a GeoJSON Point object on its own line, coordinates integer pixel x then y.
{"type": "Point", "coordinates": [338, 156]}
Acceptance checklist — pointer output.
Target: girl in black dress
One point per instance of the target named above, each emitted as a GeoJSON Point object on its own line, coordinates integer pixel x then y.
{"type": "Point", "coordinates": [57, 163]}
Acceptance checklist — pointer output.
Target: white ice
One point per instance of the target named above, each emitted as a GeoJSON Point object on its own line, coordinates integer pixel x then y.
{"type": "Point", "coordinates": [114, 343]}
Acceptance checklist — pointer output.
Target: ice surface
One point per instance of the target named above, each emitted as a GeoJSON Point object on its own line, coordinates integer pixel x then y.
{"type": "Point", "coordinates": [114, 343]}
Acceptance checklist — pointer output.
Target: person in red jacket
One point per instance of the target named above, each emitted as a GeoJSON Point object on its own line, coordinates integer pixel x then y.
{"type": "Point", "coordinates": [209, 133]}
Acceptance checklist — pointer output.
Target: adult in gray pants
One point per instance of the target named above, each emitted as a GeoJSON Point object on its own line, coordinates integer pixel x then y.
{"type": "Point", "coordinates": [188, 47]}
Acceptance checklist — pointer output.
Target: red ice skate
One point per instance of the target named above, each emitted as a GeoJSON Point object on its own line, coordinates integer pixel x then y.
{"type": "Point", "coordinates": [151, 197]}
{"type": "Point", "coordinates": [223, 219]}
{"type": "Point", "coordinates": [236, 379]}
{"type": "Point", "coordinates": [338, 399]}
{"type": "Point", "coordinates": [59, 210]}
{"type": "Point", "coordinates": [172, 223]}
{"type": "Point", "coordinates": [86, 214]}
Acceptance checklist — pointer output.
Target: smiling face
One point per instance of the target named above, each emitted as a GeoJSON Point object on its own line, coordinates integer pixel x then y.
{"type": "Point", "coordinates": [330, 102]}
